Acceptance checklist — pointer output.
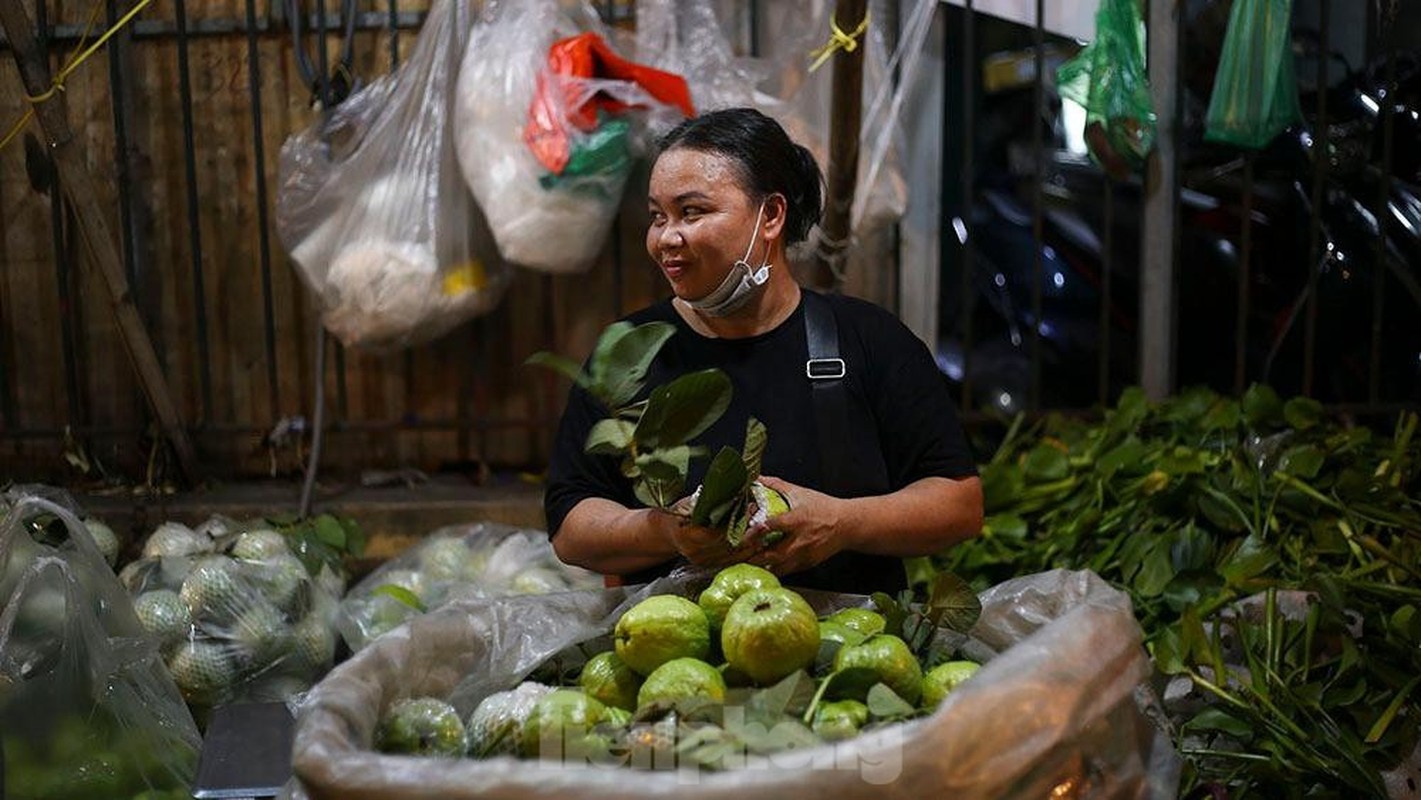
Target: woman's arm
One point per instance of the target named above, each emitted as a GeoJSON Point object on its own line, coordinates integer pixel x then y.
{"type": "Point", "coordinates": [607, 537]}
{"type": "Point", "coordinates": [924, 517]}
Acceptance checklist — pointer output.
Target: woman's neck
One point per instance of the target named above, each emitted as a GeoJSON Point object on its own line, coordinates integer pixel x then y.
{"type": "Point", "coordinates": [761, 314]}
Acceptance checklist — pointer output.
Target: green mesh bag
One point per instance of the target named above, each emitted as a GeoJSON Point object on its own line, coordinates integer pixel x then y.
{"type": "Point", "coordinates": [1108, 78]}
{"type": "Point", "coordinates": [1255, 94]}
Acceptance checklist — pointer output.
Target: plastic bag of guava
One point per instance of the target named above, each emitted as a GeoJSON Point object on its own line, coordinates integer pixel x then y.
{"type": "Point", "coordinates": [238, 614]}
{"type": "Point", "coordinates": [483, 559]}
{"type": "Point", "coordinates": [87, 709]}
{"type": "Point", "coordinates": [1057, 709]}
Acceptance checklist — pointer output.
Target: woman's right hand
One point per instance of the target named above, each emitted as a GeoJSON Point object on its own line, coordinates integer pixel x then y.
{"type": "Point", "coordinates": [702, 546]}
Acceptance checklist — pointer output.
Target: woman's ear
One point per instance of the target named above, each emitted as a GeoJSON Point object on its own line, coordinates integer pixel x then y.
{"type": "Point", "coordinates": [776, 215]}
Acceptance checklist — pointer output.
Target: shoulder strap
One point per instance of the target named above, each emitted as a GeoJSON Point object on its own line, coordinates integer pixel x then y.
{"type": "Point", "coordinates": [826, 373]}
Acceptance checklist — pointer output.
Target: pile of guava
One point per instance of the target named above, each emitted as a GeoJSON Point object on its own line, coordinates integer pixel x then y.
{"type": "Point", "coordinates": [745, 670]}
{"type": "Point", "coordinates": [481, 560]}
{"type": "Point", "coordinates": [236, 612]}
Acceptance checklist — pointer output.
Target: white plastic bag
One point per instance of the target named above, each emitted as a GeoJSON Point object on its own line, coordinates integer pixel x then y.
{"type": "Point", "coordinates": [87, 709]}
{"type": "Point", "coordinates": [373, 210]}
{"type": "Point", "coordinates": [468, 561]}
{"type": "Point", "coordinates": [548, 222]}
{"type": "Point", "coordinates": [1053, 712]}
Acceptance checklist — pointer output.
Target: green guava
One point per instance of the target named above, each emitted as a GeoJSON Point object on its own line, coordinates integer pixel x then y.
{"type": "Point", "coordinates": [164, 615]}
{"type": "Point", "coordinates": [608, 679]}
{"type": "Point", "coordinates": [659, 629]}
{"type": "Point", "coordinates": [839, 720]}
{"type": "Point", "coordinates": [943, 678]}
{"type": "Point", "coordinates": [104, 538]}
{"type": "Point", "coordinates": [770, 633]}
{"type": "Point", "coordinates": [496, 726]}
{"type": "Point", "coordinates": [729, 584]}
{"type": "Point", "coordinates": [259, 544]}
{"type": "Point", "coordinates": [560, 720]}
{"type": "Point", "coordinates": [862, 620]}
{"type": "Point", "coordinates": [883, 659]}
{"type": "Point", "coordinates": [682, 679]}
{"type": "Point", "coordinates": [422, 726]}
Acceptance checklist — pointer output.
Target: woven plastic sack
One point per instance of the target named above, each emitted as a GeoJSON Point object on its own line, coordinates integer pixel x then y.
{"type": "Point", "coordinates": [373, 210]}
{"type": "Point", "coordinates": [1255, 93]}
{"type": "Point", "coordinates": [1053, 712]}
{"type": "Point", "coordinates": [467, 561]}
{"type": "Point", "coordinates": [1109, 79]}
{"type": "Point", "coordinates": [239, 615]}
{"type": "Point", "coordinates": [548, 218]}
{"type": "Point", "coordinates": [87, 709]}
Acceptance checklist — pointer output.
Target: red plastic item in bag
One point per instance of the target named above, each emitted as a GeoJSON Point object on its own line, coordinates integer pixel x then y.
{"type": "Point", "coordinates": [557, 104]}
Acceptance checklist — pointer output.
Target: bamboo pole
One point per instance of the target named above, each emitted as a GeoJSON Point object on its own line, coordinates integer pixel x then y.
{"type": "Point", "coordinates": [846, 114]}
{"type": "Point", "coordinates": [80, 193]}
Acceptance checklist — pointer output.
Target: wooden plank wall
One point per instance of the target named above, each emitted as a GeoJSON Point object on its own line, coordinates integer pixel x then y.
{"type": "Point", "coordinates": [462, 401]}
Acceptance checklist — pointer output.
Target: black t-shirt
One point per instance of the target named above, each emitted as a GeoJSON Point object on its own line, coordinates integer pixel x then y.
{"type": "Point", "coordinates": [902, 425]}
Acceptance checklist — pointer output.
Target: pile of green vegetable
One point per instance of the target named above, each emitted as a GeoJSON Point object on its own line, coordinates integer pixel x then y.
{"type": "Point", "coordinates": [1273, 556]}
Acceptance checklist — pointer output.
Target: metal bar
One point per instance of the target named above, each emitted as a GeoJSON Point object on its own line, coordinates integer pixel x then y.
{"type": "Point", "coordinates": [263, 226]}
{"type": "Point", "coordinates": [966, 243]}
{"type": "Point", "coordinates": [1245, 278]}
{"type": "Point", "coordinates": [1107, 264]}
{"type": "Point", "coordinates": [1320, 161]}
{"type": "Point", "coordinates": [1157, 246]}
{"type": "Point", "coordinates": [1383, 213]}
{"type": "Point", "coordinates": [148, 29]}
{"type": "Point", "coordinates": [1038, 202]}
{"type": "Point", "coordinates": [393, 22]}
{"type": "Point", "coordinates": [199, 287]}
{"type": "Point", "coordinates": [120, 100]}
{"type": "Point", "coordinates": [60, 224]}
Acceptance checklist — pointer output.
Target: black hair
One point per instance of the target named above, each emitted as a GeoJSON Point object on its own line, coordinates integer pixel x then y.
{"type": "Point", "coordinates": [767, 160]}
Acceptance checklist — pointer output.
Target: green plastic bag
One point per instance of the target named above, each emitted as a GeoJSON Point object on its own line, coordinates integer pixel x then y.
{"type": "Point", "coordinates": [1255, 94]}
{"type": "Point", "coordinates": [1108, 78]}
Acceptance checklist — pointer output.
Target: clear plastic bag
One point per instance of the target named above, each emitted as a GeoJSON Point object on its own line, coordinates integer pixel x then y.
{"type": "Point", "coordinates": [462, 562]}
{"type": "Point", "coordinates": [237, 613]}
{"type": "Point", "coordinates": [545, 215]}
{"type": "Point", "coordinates": [1255, 95]}
{"type": "Point", "coordinates": [1109, 79]}
{"type": "Point", "coordinates": [87, 709]}
{"type": "Point", "coordinates": [374, 212]}
{"type": "Point", "coordinates": [1056, 708]}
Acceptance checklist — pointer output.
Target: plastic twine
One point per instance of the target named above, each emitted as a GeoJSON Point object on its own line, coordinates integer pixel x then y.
{"type": "Point", "coordinates": [838, 40]}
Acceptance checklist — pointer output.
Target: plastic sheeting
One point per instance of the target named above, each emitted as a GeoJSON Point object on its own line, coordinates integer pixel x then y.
{"type": "Point", "coordinates": [1056, 711]}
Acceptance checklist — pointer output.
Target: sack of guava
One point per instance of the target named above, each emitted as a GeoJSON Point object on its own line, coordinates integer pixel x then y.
{"type": "Point", "coordinates": [1054, 707]}
{"type": "Point", "coordinates": [484, 559]}
{"type": "Point", "coordinates": [238, 613]}
{"type": "Point", "coordinates": [87, 709]}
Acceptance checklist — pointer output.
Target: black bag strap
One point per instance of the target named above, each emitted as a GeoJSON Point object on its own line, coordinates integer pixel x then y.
{"type": "Point", "coordinates": [827, 374]}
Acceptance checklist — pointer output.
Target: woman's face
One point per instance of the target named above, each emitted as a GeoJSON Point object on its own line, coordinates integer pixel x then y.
{"type": "Point", "coordinates": [701, 220]}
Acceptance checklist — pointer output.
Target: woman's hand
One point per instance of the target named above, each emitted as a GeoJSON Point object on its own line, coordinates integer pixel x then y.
{"type": "Point", "coordinates": [702, 546]}
{"type": "Point", "coordinates": [810, 527]}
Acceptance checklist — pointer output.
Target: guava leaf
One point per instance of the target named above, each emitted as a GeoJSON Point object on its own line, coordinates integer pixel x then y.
{"type": "Point", "coordinates": [680, 410]}
{"type": "Point", "coordinates": [739, 522]}
{"type": "Point", "coordinates": [1302, 461]}
{"type": "Point", "coordinates": [330, 532]}
{"type": "Point", "coordinates": [666, 464]}
{"type": "Point", "coordinates": [402, 595]}
{"type": "Point", "coordinates": [953, 604]}
{"type": "Point", "coordinates": [609, 437]}
{"type": "Point", "coordinates": [657, 493]}
{"type": "Point", "coordinates": [1261, 406]}
{"type": "Point", "coordinates": [894, 615]}
{"type": "Point", "coordinates": [791, 695]}
{"type": "Point", "coordinates": [558, 363]}
{"type": "Point", "coordinates": [724, 483]}
{"type": "Point", "coordinates": [1047, 463]}
{"type": "Point", "coordinates": [755, 440]}
{"type": "Point", "coordinates": [619, 368]}
{"type": "Point", "coordinates": [1128, 456]}
{"type": "Point", "coordinates": [1302, 412]}
{"type": "Point", "coordinates": [885, 704]}
{"type": "Point", "coordinates": [1216, 719]}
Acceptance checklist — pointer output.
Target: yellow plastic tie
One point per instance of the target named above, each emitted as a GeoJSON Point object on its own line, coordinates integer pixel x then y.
{"type": "Point", "coordinates": [838, 40]}
{"type": "Point", "coordinates": [57, 85]}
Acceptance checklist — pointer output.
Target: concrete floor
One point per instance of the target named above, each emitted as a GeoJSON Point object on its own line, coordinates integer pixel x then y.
{"type": "Point", "coordinates": [392, 516]}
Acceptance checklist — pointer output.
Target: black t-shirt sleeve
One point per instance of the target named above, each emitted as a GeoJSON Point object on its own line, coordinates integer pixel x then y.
{"type": "Point", "coordinates": [573, 474]}
{"type": "Point", "coordinates": [917, 420]}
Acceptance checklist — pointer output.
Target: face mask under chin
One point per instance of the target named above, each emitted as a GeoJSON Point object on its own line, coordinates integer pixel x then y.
{"type": "Point", "coordinates": [741, 282]}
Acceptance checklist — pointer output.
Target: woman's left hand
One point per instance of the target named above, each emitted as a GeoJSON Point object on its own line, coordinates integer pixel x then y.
{"type": "Point", "coordinates": [810, 529]}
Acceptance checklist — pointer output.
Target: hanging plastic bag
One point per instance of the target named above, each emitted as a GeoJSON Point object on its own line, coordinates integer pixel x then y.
{"type": "Point", "coordinates": [238, 613]}
{"type": "Point", "coordinates": [549, 119]}
{"type": "Point", "coordinates": [1255, 94]}
{"type": "Point", "coordinates": [1056, 708]}
{"type": "Point", "coordinates": [373, 210]}
{"type": "Point", "coordinates": [87, 709]}
{"type": "Point", "coordinates": [1109, 79]}
{"type": "Point", "coordinates": [484, 559]}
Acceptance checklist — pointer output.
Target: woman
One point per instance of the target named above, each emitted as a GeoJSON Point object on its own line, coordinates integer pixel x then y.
{"type": "Point", "coordinates": [728, 193]}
